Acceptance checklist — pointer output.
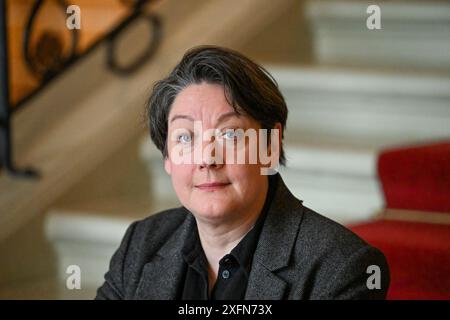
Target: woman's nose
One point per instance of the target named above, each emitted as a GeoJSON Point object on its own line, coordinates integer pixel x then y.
{"type": "Point", "coordinates": [211, 155]}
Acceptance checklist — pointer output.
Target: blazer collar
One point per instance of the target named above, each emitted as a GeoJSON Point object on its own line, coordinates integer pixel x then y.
{"type": "Point", "coordinates": [280, 229]}
{"type": "Point", "coordinates": [275, 245]}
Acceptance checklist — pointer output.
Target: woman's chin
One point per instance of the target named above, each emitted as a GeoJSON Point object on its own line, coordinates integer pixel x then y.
{"type": "Point", "coordinates": [213, 212]}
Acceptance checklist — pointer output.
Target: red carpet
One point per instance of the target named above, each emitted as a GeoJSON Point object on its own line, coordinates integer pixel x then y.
{"type": "Point", "coordinates": [414, 178]}
{"type": "Point", "coordinates": [418, 255]}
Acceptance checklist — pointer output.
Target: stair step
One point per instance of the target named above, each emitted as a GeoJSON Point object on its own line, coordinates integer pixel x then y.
{"type": "Point", "coordinates": [84, 239]}
{"type": "Point", "coordinates": [338, 182]}
{"type": "Point", "coordinates": [413, 34]}
{"type": "Point", "coordinates": [46, 289]}
{"type": "Point", "coordinates": [366, 106]}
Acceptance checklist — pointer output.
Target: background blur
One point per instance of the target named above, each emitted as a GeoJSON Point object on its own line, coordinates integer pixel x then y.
{"type": "Point", "coordinates": [74, 110]}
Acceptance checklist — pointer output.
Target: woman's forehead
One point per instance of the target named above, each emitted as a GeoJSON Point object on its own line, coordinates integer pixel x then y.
{"type": "Point", "coordinates": [201, 102]}
{"type": "Point", "coordinates": [201, 98]}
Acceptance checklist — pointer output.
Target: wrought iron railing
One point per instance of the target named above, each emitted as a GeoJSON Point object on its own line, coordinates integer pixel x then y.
{"type": "Point", "coordinates": [47, 61]}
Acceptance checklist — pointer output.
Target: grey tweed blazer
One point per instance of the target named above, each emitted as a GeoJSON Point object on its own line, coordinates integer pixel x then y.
{"type": "Point", "coordinates": [300, 255]}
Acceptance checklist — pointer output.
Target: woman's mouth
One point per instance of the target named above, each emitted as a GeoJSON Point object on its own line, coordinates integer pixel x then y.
{"type": "Point", "coordinates": [211, 186]}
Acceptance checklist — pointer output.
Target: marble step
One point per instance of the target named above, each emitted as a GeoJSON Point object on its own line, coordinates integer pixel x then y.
{"type": "Point", "coordinates": [86, 234]}
{"type": "Point", "coordinates": [339, 182]}
{"type": "Point", "coordinates": [365, 106]}
{"type": "Point", "coordinates": [86, 240]}
{"type": "Point", "coordinates": [413, 34]}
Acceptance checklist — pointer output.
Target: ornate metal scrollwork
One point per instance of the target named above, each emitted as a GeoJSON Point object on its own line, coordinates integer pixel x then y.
{"type": "Point", "coordinates": [47, 58]}
{"type": "Point", "coordinates": [155, 27]}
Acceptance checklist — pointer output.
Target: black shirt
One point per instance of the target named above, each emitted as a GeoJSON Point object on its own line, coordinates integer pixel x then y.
{"type": "Point", "coordinates": [234, 268]}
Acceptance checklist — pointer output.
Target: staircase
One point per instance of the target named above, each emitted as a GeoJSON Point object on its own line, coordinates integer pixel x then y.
{"type": "Point", "coordinates": [365, 92]}
{"type": "Point", "coordinates": [414, 35]}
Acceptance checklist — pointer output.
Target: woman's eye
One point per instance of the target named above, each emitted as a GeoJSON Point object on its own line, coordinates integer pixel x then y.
{"type": "Point", "coordinates": [230, 134]}
{"type": "Point", "coordinates": [184, 138]}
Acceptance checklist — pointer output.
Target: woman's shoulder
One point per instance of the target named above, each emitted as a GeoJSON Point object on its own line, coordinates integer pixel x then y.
{"type": "Point", "coordinates": [152, 231]}
{"type": "Point", "coordinates": [324, 236]}
{"type": "Point", "coordinates": [145, 237]}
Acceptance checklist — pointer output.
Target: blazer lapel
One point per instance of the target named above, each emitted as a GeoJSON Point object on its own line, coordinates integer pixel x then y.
{"type": "Point", "coordinates": [263, 284]}
{"type": "Point", "coordinates": [275, 245]}
{"type": "Point", "coordinates": [161, 276]}
{"type": "Point", "coordinates": [160, 279]}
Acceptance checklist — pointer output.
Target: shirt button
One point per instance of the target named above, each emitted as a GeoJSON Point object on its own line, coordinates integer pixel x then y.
{"type": "Point", "coordinates": [225, 274]}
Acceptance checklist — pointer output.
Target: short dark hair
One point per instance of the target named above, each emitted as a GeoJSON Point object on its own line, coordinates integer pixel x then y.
{"type": "Point", "coordinates": [248, 87]}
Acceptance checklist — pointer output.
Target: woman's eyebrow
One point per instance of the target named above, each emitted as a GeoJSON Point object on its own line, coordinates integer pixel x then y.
{"type": "Point", "coordinates": [227, 115]}
{"type": "Point", "coordinates": [221, 118]}
{"type": "Point", "coordinates": [181, 116]}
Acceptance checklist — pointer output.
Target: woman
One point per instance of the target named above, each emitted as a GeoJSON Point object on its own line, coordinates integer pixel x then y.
{"type": "Point", "coordinates": [240, 234]}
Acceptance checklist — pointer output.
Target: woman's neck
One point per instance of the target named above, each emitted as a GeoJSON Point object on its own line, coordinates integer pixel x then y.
{"type": "Point", "coordinates": [219, 238]}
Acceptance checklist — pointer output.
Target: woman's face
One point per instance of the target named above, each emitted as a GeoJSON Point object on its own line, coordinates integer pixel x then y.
{"type": "Point", "coordinates": [211, 186]}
